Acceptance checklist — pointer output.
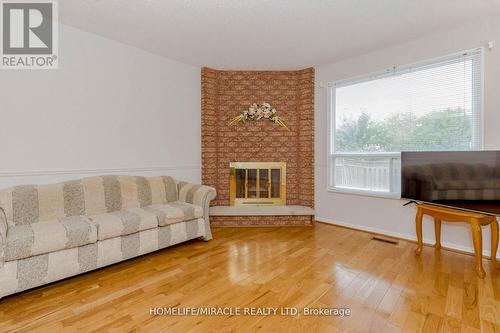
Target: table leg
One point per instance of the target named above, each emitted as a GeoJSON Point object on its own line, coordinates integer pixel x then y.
{"type": "Point", "coordinates": [494, 242]}
{"type": "Point", "coordinates": [477, 238]}
{"type": "Point", "coordinates": [437, 232]}
{"type": "Point", "coordinates": [418, 223]}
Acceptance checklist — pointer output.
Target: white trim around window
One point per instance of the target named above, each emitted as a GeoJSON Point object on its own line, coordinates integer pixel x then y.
{"type": "Point", "coordinates": [390, 161]}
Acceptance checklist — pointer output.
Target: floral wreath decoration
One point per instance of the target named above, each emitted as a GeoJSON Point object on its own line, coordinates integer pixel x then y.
{"type": "Point", "coordinates": [258, 112]}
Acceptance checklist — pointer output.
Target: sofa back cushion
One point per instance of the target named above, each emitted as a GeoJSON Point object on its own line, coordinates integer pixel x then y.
{"type": "Point", "coordinates": [88, 196]}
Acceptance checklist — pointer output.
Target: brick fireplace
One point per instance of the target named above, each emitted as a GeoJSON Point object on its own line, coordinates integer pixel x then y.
{"type": "Point", "coordinates": [225, 94]}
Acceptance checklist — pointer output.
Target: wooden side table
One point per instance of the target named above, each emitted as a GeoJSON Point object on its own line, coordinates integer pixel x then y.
{"type": "Point", "coordinates": [475, 221]}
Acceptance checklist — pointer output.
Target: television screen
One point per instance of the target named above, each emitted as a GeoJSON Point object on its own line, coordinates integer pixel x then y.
{"type": "Point", "coordinates": [465, 180]}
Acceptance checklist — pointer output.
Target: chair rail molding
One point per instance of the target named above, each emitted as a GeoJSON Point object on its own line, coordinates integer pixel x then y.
{"type": "Point", "coordinates": [36, 173]}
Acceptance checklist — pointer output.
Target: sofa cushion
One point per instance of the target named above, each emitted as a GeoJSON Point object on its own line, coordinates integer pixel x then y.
{"type": "Point", "coordinates": [124, 222]}
{"type": "Point", "coordinates": [28, 240]}
{"type": "Point", "coordinates": [175, 212]}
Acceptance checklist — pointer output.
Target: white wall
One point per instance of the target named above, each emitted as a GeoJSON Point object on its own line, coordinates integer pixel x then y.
{"type": "Point", "coordinates": [387, 216]}
{"type": "Point", "coordinates": [109, 108]}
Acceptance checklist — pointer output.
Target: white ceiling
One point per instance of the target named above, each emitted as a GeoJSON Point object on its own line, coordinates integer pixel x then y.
{"type": "Point", "coordinates": [268, 34]}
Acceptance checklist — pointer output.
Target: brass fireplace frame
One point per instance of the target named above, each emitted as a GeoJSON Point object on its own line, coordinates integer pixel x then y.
{"type": "Point", "coordinates": [233, 201]}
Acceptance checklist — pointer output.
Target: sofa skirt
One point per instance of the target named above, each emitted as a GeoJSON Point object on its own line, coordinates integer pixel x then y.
{"type": "Point", "coordinates": [23, 274]}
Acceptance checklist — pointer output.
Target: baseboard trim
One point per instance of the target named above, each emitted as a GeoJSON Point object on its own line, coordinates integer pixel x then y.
{"type": "Point", "coordinates": [37, 173]}
{"type": "Point", "coordinates": [428, 242]}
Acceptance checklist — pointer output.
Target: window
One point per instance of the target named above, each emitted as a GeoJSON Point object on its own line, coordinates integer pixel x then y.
{"type": "Point", "coordinates": [429, 106]}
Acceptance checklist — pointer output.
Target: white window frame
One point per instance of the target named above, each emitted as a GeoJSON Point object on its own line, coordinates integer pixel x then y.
{"type": "Point", "coordinates": [331, 155]}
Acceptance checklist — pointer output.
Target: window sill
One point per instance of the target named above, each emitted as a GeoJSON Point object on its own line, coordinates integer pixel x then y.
{"type": "Point", "coordinates": [366, 193]}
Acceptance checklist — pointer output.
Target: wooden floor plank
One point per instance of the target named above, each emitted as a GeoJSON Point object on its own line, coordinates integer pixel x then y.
{"type": "Point", "coordinates": [385, 286]}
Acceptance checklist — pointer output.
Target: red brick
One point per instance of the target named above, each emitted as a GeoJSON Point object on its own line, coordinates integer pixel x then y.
{"type": "Point", "coordinates": [226, 94]}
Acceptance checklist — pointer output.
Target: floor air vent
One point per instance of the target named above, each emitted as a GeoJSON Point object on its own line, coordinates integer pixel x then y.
{"type": "Point", "coordinates": [385, 240]}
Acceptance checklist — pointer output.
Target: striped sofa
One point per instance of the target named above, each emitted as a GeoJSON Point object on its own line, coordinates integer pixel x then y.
{"type": "Point", "coordinates": [50, 232]}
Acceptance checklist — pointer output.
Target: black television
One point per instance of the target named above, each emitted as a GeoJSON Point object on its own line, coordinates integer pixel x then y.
{"type": "Point", "coordinates": [467, 180]}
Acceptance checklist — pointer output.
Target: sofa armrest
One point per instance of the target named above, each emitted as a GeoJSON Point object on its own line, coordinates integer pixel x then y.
{"type": "Point", "coordinates": [3, 235]}
{"type": "Point", "coordinates": [200, 195]}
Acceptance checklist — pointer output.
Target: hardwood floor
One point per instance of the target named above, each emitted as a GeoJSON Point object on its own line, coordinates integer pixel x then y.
{"type": "Point", "coordinates": [387, 287]}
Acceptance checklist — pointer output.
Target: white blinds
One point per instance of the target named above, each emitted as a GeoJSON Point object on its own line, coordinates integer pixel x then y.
{"type": "Point", "coordinates": [429, 106]}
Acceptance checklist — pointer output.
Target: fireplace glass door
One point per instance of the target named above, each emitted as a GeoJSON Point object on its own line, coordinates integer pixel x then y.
{"type": "Point", "coordinates": [258, 183]}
